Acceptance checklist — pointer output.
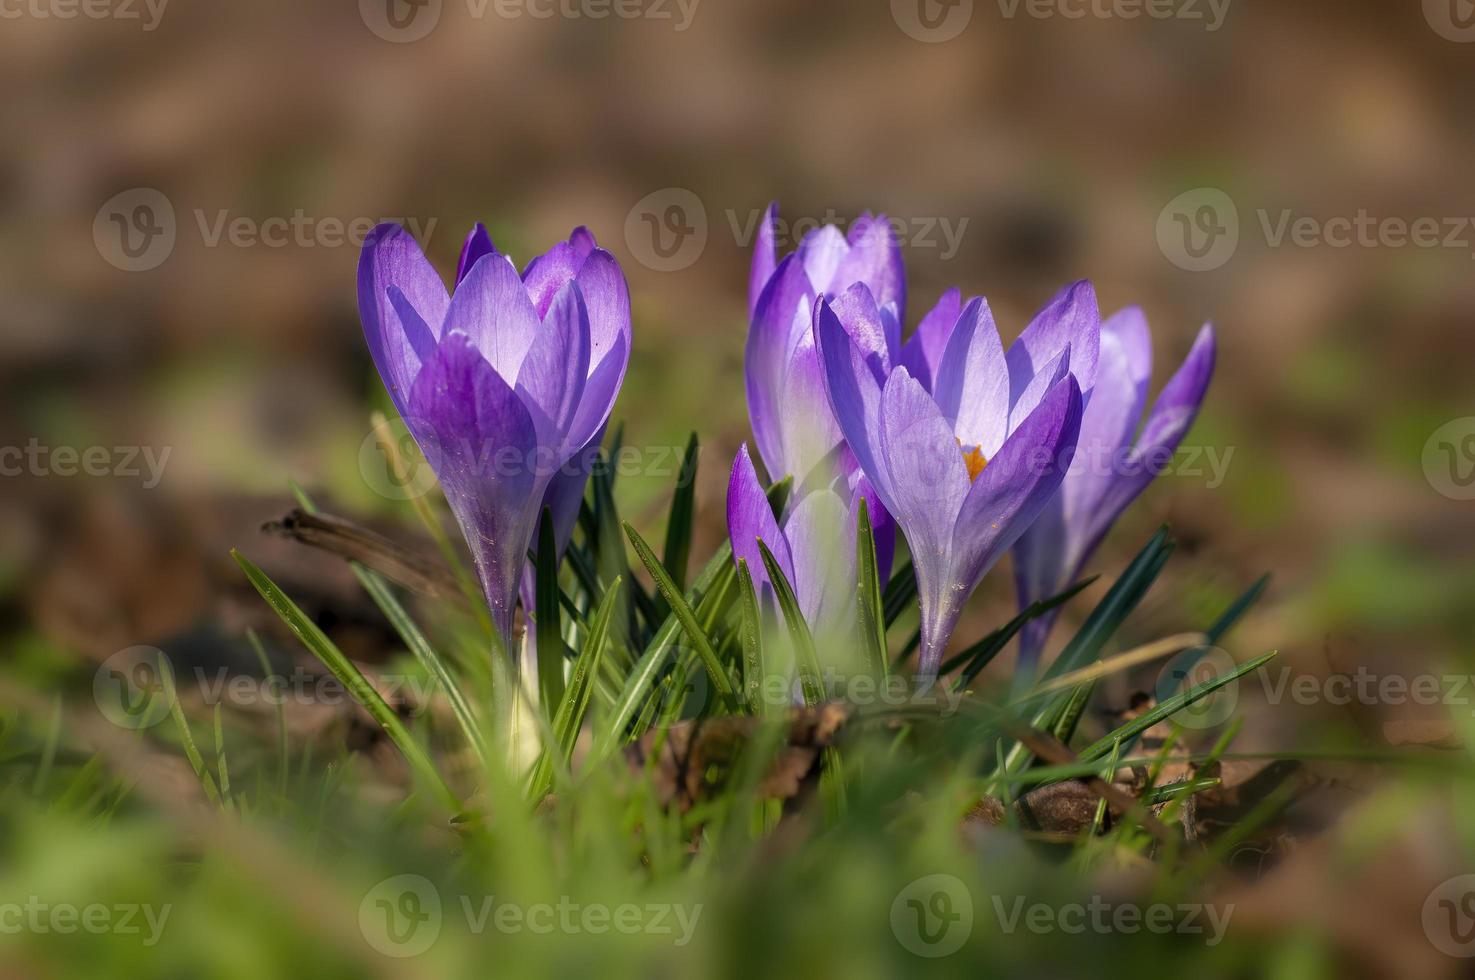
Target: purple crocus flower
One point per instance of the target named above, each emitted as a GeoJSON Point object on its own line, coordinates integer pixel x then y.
{"type": "Point", "coordinates": [502, 382]}
{"type": "Point", "coordinates": [966, 462]}
{"type": "Point", "coordinates": [1113, 464]}
{"type": "Point", "coordinates": [793, 425]}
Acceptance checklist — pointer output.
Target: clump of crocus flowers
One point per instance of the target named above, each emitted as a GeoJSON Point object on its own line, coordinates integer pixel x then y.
{"type": "Point", "coordinates": [969, 448]}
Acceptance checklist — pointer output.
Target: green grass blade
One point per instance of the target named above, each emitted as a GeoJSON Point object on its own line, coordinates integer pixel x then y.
{"type": "Point", "coordinates": [810, 677]}
{"type": "Point", "coordinates": [348, 675]}
{"type": "Point", "coordinates": [545, 602]}
{"type": "Point", "coordinates": [704, 595]}
{"type": "Point", "coordinates": [1166, 709]}
{"type": "Point", "coordinates": [868, 593]}
{"type": "Point", "coordinates": [379, 590]}
{"type": "Point", "coordinates": [684, 613]}
{"type": "Point", "coordinates": [677, 553]}
{"type": "Point", "coordinates": [980, 654]}
{"type": "Point", "coordinates": [751, 632]}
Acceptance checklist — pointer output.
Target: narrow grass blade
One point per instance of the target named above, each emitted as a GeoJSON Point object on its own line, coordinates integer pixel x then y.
{"type": "Point", "coordinates": [980, 654]}
{"type": "Point", "coordinates": [677, 553]}
{"type": "Point", "coordinates": [1166, 709]}
{"type": "Point", "coordinates": [545, 602]}
{"type": "Point", "coordinates": [810, 678]}
{"type": "Point", "coordinates": [751, 632]}
{"type": "Point", "coordinates": [349, 676]}
{"type": "Point", "coordinates": [705, 596]}
{"type": "Point", "coordinates": [683, 612]}
{"type": "Point", "coordinates": [868, 593]}
{"type": "Point", "coordinates": [378, 588]}
{"type": "Point", "coordinates": [187, 740]}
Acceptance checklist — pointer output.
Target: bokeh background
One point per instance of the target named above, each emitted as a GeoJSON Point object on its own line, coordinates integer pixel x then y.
{"type": "Point", "coordinates": [180, 186]}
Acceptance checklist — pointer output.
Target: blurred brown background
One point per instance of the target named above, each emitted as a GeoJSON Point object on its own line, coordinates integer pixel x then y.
{"type": "Point", "coordinates": [210, 309]}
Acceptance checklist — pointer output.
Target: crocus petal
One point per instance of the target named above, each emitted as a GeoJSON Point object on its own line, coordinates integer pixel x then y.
{"type": "Point", "coordinates": [1048, 556]}
{"type": "Point", "coordinates": [392, 258]}
{"type": "Point", "coordinates": [1034, 392]}
{"type": "Point", "coordinates": [855, 397]}
{"type": "Point", "coordinates": [857, 310]}
{"type": "Point", "coordinates": [750, 518]}
{"type": "Point", "coordinates": [925, 467]}
{"type": "Point", "coordinates": [1128, 329]}
{"type": "Point", "coordinates": [551, 378]}
{"type": "Point", "coordinates": [1071, 319]}
{"type": "Point", "coordinates": [765, 258]}
{"type": "Point", "coordinates": [600, 391]}
{"type": "Point", "coordinates": [922, 353]}
{"type": "Point", "coordinates": [471, 423]}
{"type": "Point", "coordinates": [477, 244]}
{"type": "Point", "coordinates": [820, 534]}
{"type": "Point", "coordinates": [972, 382]}
{"type": "Point", "coordinates": [607, 297]}
{"type": "Point", "coordinates": [786, 299]}
{"type": "Point", "coordinates": [821, 253]}
{"type": "Point", "coordinates": [874, 258]}
{"type": "Point", "coordinates": [1171, 417]}
{"type": "Point", "coordinates": [492, 308]}
{"type": "Point", "coordinates": [807, 428]}
{"type": "Point", "coordinates": [1001, 505]}
{"type": "Point", "coordinates": [550, 272]}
